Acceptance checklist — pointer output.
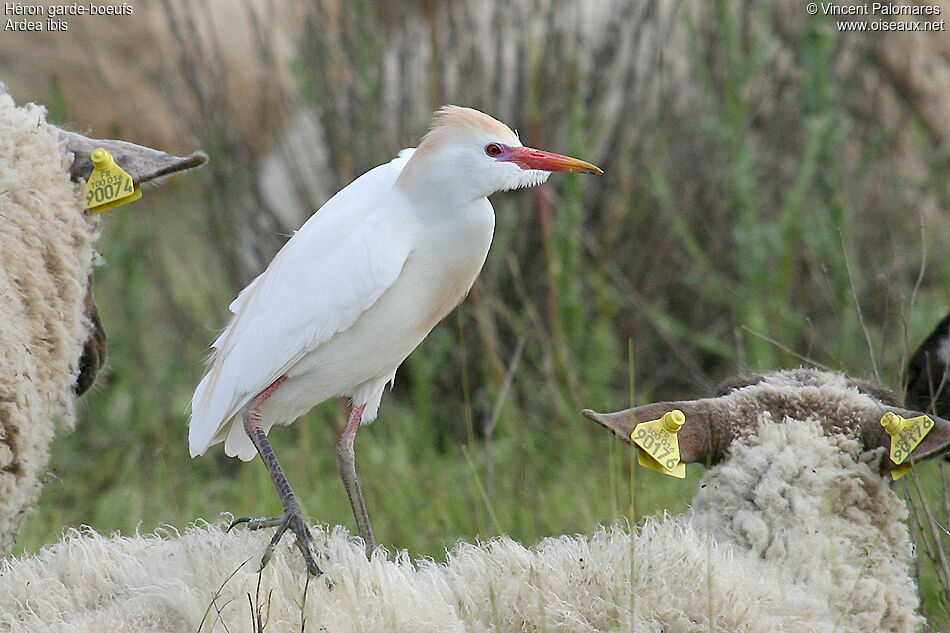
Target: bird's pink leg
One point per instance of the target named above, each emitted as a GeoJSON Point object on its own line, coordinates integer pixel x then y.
{"type": "Point", "coordinates": [346, 465]}
{"type": "Point", "coordinates": [293, 515]}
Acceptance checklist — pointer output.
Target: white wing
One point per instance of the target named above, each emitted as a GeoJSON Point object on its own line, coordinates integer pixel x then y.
{"type": "Point", "coordinates": [333, 269]}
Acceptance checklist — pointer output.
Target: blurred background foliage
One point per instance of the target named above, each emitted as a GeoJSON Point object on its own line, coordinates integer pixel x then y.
{"type": "Point", "coordinates": [775, 195]}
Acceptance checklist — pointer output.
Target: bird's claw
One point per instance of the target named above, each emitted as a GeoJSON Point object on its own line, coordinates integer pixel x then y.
{"type": "Point", "coordinates": [258, 523]}
{"type": "Point", "coordinates": [297, 525]}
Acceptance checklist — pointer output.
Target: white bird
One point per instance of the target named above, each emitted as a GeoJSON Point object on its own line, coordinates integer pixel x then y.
{"type": "Point", "coordinates": [354, 291]}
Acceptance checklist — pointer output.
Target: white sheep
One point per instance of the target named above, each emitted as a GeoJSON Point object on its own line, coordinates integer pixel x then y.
{"type": "Point", "coordinates": [795, 529]}
{"type": "Point", "coordinates": [206, 579]}
{"type": "Point", "coordinates": [51, 342]}
{"type": "Point", "coordinates": [801, 486]}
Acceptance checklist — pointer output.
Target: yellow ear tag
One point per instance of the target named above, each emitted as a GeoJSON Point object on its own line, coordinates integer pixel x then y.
{"type": "Point", "coordinates": [901, 470]}
{"type": "Point", "coordinates": [906, 434]}
{"type": "Point", "coordinates": [658, 444]}
{"type": "Point", "coordinates": [109, 186]}
{"type": "Point", "coordinates": [679, 471]}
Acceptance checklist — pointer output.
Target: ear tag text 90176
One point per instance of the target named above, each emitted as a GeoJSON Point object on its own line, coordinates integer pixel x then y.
{"type": "Point", "coordinates": [658, 445]}
{"type": "Point", "coordinates": [906, 434]}
{"type": "Point", "coordinates": [109, 186]}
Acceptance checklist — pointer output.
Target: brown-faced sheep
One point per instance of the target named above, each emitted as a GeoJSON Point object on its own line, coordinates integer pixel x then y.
{"type": "Point", "coordinates": [51, 340]}
{"type": "Point", "coordinates": [801, 482]}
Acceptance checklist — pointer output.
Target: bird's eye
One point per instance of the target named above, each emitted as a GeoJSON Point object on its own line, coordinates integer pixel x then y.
{"type": "Point", "coordinates": [493, 149]}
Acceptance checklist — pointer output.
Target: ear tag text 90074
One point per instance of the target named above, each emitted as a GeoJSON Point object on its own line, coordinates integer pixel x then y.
{"type": "Point", "coordinates": [109, 186]}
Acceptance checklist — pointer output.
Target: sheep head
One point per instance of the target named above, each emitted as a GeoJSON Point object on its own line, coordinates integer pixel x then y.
{"type": "Point", "coordinates": [842, 405]}
{"type": "Point", "coordinates": [144, 165]}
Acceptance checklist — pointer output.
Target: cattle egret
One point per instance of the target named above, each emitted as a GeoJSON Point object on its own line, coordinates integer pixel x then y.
{"type": "Point", "coordinates": [354, 291]}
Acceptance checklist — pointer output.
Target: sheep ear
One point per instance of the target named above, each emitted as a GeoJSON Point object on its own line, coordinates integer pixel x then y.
{"type": "Point", "coordinates": [620, 422]}
{"type": "Point", "coordinates": [935, 444]}
{"type": "Point", "coordinates": [142, 163]}
{"type": "Point", "coordinates": [927, 377]}
{"type": "Point", "coordinates": [697, 438]}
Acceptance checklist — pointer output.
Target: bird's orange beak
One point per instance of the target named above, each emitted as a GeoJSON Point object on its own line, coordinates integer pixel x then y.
{"type": "Point", "coordinates": [530, 158]}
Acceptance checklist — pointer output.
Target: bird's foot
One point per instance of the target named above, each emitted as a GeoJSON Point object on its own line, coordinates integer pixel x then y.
{"type": "Point", "coordinates": [258, 523]}
{"type": "Point", "coordinates": [296, 523]}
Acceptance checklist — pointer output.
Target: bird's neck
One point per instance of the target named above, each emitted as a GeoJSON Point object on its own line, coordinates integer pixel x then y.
{"type": "Point", "coordinates": [428, 183]}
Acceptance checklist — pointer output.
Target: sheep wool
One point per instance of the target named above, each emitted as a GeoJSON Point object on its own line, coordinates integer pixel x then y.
{"type": "Point", "coordinates": [800, 483]}
{"type": "Point", "coordinates": [46, 250]}
{"type": "Point", "coordinates": [207, 580]}
{"type": "Point", "coordinates": [811, 505]}
{"type": "Point", "coordinates": [793, 531]}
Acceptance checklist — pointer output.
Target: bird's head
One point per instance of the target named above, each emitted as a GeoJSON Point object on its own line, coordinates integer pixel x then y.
{"type": "Point", "coordinates": [470, 151]}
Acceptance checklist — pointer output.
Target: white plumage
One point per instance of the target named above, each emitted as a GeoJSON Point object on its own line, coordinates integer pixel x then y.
{"type": "Point", "coordinates": [361, 284]}
{"type": "Point", "coordinates": [293, 318]}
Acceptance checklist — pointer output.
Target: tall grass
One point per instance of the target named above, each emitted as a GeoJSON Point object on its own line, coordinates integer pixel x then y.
{"type": "Point", "coordinates": [716, 243]}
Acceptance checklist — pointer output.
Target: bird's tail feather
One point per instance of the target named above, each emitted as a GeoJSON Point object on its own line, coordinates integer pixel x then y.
{"type": "Point", "coordinates": [202, 428]}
